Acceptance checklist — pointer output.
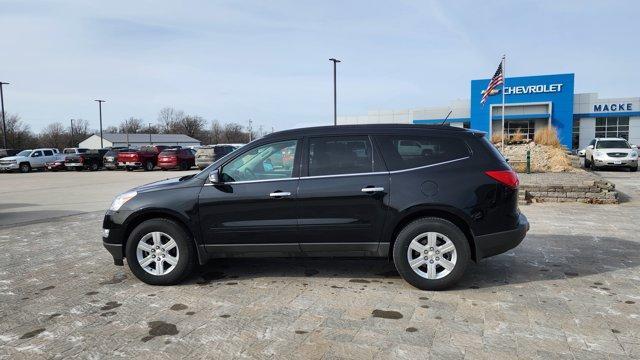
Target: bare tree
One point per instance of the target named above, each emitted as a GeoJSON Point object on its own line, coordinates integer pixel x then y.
{"type": "Point", "coordinates": [191, 125]}
{"type": "Point", "coordinates": [111, 129]}
{"type": "Point", "coordinates": [131, 125]}
{"type": "Point", "coordinates": [168, 120]}
{"type": "Point", "coordinates": [19, 134]}
{"type": "Point", "coordinates": [233, 133]}
{"type": "Point", "coordinates": [216, 133]}
{"type": "Point", "coordinates": [54, 135]}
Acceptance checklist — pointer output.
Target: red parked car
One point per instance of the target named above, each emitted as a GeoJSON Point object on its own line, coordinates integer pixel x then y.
{"type": "Point", "coordinates": [183, 159]}
{"type": "Point", "coordinates": [145, 158]}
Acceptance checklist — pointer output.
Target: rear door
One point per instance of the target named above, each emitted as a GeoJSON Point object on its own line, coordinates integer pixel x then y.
{"type": "Point", "coordinates": [343, 196]}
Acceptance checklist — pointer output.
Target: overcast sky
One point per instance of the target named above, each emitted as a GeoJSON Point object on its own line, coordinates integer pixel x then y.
{"type": "Point", "coordinates": [268, 60]}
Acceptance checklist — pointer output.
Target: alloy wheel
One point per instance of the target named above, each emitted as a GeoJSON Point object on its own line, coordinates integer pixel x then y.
{"type": "Point", "coordinates": [157, 253]}
{"type": "Point", "coordinates": [432, 255]}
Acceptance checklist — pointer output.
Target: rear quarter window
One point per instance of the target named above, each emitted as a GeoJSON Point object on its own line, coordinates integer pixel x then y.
{"type": "Point", "coordinates": [402, 152]}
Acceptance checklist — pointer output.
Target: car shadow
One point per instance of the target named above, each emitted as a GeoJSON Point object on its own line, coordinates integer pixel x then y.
{"type": "Point", "coordinates": [538, 258]}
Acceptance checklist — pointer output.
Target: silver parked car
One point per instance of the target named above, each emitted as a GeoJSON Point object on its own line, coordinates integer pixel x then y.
{"type": "Point", "coordinates": [610, 152]}
{"type": "Point", "coordinates": [209, 153]}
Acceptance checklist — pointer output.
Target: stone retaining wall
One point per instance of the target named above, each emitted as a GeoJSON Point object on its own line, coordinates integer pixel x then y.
{"type": "Point", "coordinates": [589, 191]}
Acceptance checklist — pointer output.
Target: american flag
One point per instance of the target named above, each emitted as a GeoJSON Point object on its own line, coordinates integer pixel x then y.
{"type": "Point", "coordinates": [496, 80]}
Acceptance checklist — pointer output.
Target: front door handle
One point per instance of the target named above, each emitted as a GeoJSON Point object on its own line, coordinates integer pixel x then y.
{"type": "Point", "coordinates": [279, 194]}
{"type": "Point", "coordinates": [372, 189]}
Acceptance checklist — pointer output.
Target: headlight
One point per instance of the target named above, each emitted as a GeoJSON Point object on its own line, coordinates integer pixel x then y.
{"type": "Point", "coordinates": [121, 200]}
{"type": "Point", "coordinates": [633, 154]}
{"type": "Point", "coordinates": [599, 153]}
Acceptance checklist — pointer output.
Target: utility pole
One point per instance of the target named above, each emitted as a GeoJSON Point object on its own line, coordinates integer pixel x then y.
{"type": "Point", "coordinates": [150, 142]}
{"type": "Point", "coordinates": [72, 133]}
{"type": "Point", "coordinates": [250, 130]}
{"type": "Point", "coordinates": [126, 124]}
{"type": "Point", "coordinates": [4, 124]}
{"type": "Point", "coordinates": [100, 109]}
{"type": "Point", "coordinates": [335, 96]}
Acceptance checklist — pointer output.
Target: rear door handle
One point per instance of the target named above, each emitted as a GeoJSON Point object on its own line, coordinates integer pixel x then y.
{"type": "Point", "coordinates": [372, 189]}
{"type": "Point", "coordinates": [279, 194]}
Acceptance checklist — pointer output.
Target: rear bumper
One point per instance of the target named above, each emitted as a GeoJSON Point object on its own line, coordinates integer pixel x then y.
{"type": "Point", "coordinates": [497, 243]}
{"type": "Point", "coordinates": [167, 165]}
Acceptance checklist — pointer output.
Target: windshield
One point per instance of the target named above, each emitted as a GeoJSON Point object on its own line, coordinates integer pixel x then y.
{"type": "Point", "coordinates": [24, 153]}
{"type": "Point", "coordinates": [612, 144]}
{"type": "Point", "coordinates": [69, 151]}
{"type": "Point", "coordinates": [168, 152]}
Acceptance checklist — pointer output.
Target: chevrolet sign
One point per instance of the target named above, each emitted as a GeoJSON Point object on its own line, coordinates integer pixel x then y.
{"type": "Point", "coordinates": [532, 89]}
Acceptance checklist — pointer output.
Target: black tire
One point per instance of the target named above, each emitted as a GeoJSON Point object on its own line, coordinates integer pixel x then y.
{"type": "Point", "coordinates": [129, 168]}
{"type": "Point", "coordinates": [25, 168]}
{"type": "Point", "coordinates": [94, 167]}
{"type": "Point", "coordinates": [184, 166]}
{"type": "Point", "coordinates": [587, 163]}
{"type": "Point", "coordinates": [185, 246]}
{"type": "Point", "coordinates": [593, 166]}
{"type": "Point", "coordinates": [421, 226]}
{"type": "Point", "coordinates": [79, 168]}
{"type": "Point", "coordinates": [148, 166]}
{"type": "Point", "coordinates": [634, 168]}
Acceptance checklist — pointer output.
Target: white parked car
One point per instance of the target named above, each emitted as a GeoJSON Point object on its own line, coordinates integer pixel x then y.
{"type": "Point", "coordinates": [28, 160]}
{"type": "Point", "coordinates": [611, 152]}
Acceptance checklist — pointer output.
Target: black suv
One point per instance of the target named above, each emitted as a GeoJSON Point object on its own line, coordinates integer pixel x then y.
{"type": "Point", "coordinates": [430, 198]}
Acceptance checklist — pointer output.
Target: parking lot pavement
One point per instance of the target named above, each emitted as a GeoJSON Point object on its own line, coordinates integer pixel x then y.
{"type": "Point", "coordinates": [570, 290]}
{"type": "Point", "coordinates": [39, 196]}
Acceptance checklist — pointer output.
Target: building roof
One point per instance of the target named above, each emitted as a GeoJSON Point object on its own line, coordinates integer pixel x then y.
{"type": "Point", "coordinates": [144, 138]}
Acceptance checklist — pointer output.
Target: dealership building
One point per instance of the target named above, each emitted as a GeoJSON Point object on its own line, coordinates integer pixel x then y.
{"type": "Point", "coordinates": [531, 103]}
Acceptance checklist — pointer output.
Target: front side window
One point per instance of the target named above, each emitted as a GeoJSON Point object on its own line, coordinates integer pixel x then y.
{"type": "Point", "coordinates": [340, 155]}
{"type": "Point", "coordinates": [409, 151]}
{"type": "Point", "coordinates": [267, 162]}
{"type": "Point", "coordinates": [37, 154]}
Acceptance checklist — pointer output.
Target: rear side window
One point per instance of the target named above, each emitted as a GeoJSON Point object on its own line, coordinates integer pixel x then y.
{"type": "Point", "coordinates": [410, 151]}
{"type": "Point", "coordinates": [340, 155]}
{"type": "Point", "coordinates": [48, 153]}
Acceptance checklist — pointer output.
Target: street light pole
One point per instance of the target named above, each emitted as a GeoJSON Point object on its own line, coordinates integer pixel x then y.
{"type": "Point", "coordinates": [100, 109]}
{"type": "Point", "coordinates": [72, 133]}
{"type": "Point", "coordinates": [4, 124]}
{"type": "Point", "coordinates": [335, 101]}
{"type": "Point", "coordinates": [150, 142]}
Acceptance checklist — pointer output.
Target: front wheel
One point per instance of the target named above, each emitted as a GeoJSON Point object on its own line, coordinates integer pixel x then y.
{"type": "Point", "coordinates": [25, 167]}
{"type": "Point", "coordinates": [159, 252]}
{"type": "Point", "coordinates": [633, 168]}
{"type": "Point", "coordinates": [94, 167]}
{"type": "Point", "coordinates": [587, 163]}
{"type": "Point", "coordinates": [148, 166]}
{"type": "Point", "coordinates": [431, 253]}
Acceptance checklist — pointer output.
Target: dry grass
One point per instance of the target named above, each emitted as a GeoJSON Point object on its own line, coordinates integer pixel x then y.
{"type": "Point", "coordinates": [558, 159]}
{"type": "Point", "coordinates": [496, 138]}
{"type": "Point", "coordinates": [517, 138]}
{"type": "Point", "coordinates": [547, 136]}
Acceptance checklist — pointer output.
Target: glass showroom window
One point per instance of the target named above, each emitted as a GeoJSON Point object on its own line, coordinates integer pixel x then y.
{"type": "Point", "coordinates": [613, 127]}
{"type": "Point", "coordinates": [575, 138]}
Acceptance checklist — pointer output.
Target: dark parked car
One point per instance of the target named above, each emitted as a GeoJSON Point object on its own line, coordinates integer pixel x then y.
{"type": "Point", "coordinates": [110, 158]}
{"type": "Point", "coordinates": [182, 159]}
{"type": "Point", "coordinates": [429, 198]}
{"type": "Point", "coordinates": [146, 157]}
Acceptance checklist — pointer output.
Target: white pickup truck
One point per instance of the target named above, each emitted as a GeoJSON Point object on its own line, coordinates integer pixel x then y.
{"type": "Point", "coordinates": [27, 160]}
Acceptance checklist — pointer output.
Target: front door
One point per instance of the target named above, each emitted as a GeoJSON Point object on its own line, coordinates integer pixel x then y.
{"type": "Point", "coordinates": [254, 209]}
{"type": "Point", "coordinates": [343, 196]}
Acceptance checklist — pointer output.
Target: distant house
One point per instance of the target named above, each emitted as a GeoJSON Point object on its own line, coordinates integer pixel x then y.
{"type": "Point", "coordinates": [137, 140]}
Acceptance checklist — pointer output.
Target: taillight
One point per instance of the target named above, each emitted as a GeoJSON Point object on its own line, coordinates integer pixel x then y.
{"type": "Point", "coordinates": [505, 177]}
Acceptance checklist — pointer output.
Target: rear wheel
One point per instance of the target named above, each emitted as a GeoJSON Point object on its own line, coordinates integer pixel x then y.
{"type": "Point", "coordinates": [431, 253]}
{"type": "Point", "coordinates": [148, 166]}
{"type": "Point", "coordinates": [94, 167]}
{"type": "Point", "coordinates": [128, 168]}
{"type": "Point", "coordinates": [160, 252]}
{"type": "Point", "coordinates": [78, 168]}
{"type": "Point", "coordinates": [25, 167]}
{"type": "Point", "coordinates": [184, 166]}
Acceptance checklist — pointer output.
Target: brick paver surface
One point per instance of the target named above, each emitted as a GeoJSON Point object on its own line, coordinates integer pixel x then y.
{"type": "Point", "coordinates": [571, 290]}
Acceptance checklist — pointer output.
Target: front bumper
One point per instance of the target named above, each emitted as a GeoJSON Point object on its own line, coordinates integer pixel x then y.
{"type": "Point", "coordinates": [9, 167]}
{"type": "Point", "coordinates": [613, 161]}
{"type": "Point", "coordinates": [113, 236]}
{"type": "Point", "coordinates": [497, 243]}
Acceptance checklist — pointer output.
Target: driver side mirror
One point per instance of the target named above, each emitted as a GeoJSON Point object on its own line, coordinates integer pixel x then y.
{"type": "Point", "coordinates": [214, 176]}
{"type": "Point", "coordinates": [590, 147]}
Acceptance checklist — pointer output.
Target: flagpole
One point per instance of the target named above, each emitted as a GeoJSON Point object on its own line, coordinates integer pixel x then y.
{"type": "Point", "coordinates": [504, 84]}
